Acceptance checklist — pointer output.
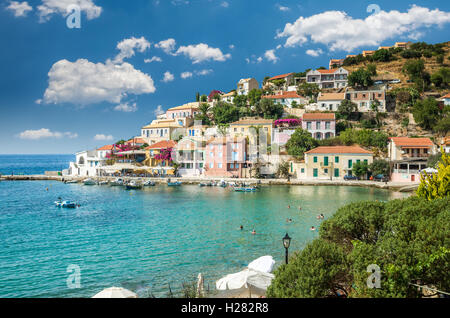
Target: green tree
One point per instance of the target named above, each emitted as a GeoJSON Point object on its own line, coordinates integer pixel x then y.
{"type": "Point", "coordinates": [203, 98]}
{"type": "Point", "coordinates": [203, 114]}
{"type": "Point", "coordinates": [372, 69]}
{"type": "Point", "coordinates": [197, 97]}
{"type": "Point", "coordinates": [360, 78]}
{"type": "Point", "coordinates": [320, 270]}
{"type": "Point", "coordinates": [240, 101]}
{"type": "Point", "coordinates": [300, 142]}
{"type": "Point", "coordinates": [283, 170]}
{"type": "Point", "coordinates": [346, 108]}
{"type": "Point", "coordinates": [382, 55]}
{"type": "Point", "coordinates": [360, 169]}
{"type": "Point", "coordinates": [308, 89]}
{"type": "Point", "coordinates": [268, 109]}
{"type": "Point", "coordinates": [442, 126]}
{"type": "Point", "coordinates": [254, 96]}
{"type": "Point", "coordinates": [225, 113]}
{"type": "Point", "coordinates": [379, 166]}
{"type": "Point", "coordinates": [426, 113]}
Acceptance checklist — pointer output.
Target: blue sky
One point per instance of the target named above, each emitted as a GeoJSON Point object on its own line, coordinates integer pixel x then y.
{"type": "Point", "coordinates": [61, 87]}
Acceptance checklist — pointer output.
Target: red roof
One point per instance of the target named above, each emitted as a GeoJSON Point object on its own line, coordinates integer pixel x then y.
{"type": "Point", "coordinates": [107, 147]}
{"type": "Point", "coordinates": [162, 145]}
{"type": "Point", "coordinates": [318, 116]}
{"type": "Point", "coordinates": [327, 71]}
{"type": "Point", "coordinates": [280, 76]}
{"type": "Point", "coordinates": [136, 140]}
{"type": "Point", "coordinates": [339, 149]}
{"type": "Point", "coordinates": [283, 95]}
{"type": "Point", "coordinates": [411, 142]}
{"type": "Point", "coordinates": [446, 96]}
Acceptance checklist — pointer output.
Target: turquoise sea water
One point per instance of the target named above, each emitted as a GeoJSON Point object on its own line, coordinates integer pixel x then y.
{"type": "Point", "coordinates": [148, 239]}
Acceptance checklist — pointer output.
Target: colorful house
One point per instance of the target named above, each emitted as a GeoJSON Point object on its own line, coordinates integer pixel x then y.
{"type": "Point", "coordinates": [409, 156]}
{"type": "Point", "coordinates": [331, 163]}
{"type": "Point", "coordinates": [164, 129]}
{"type": "Point", "coordinates": [365, 97]}
{"type": "Point", "coordinates": [287, 98]}
{"type": "Point", "coordinates": [246, 125]}
{"type": "Point", "coordinates": [225, 157]}
{"type": "Point", "coordinates": [159, 157]}
{"type": "Point", "coordinates": [190, 156]}
{"type": "Point", "coordinates": [245, 85]}
{"type": "Point", "coordinates": [334, 78]}
{"type": "Point", "coordinates": [320, 125]}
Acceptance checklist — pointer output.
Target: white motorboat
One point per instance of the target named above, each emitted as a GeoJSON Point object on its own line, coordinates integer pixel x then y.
{"type": "Point", "coordinates": [117, 182]}
{"type": "Point", "coordinates": [89, 181]}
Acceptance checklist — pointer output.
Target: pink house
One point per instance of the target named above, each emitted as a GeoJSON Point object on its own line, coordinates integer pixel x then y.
{"type": "Point", "coordinates": [320, 125]}
{"type": "Point", "coordinates": [225, 157]}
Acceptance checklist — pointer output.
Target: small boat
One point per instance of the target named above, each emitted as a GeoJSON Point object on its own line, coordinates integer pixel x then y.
{"type": "Point", "coordinates": [70, 181]}
{"type": "Point", "coordinates": [174, 184]}
{"type": "Point", "coordinates": [89, 181]}
{"type": "Point", "coordinates": [116, 182]}
{"type": "Point", "coordinates": [245, 189]}
{"type": "Point", "coordinates": [66, 204]}
{"type": "Point", "coordinates": [133, 185]}
{"type": "Point", "coordinates": [149, 183]}
{"type": "Point", "coordinates": [103, 183]}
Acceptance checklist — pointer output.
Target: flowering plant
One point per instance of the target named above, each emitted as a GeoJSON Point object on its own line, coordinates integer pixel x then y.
{"type": "Point", "coordinates": [165, 154]}
{"type": "Point", "coordinates": [287, 121]}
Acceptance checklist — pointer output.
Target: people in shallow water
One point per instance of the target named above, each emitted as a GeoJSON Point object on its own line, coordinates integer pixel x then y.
{"type": "Point", "coordinates": [289, 206]}
{"type": "Point", "coordinates": [288, 220]}
{"type": "Point", "coordinates": [312, 228]}
{"type": "Point", "coordinates": [241, 227]}
{"type": "Point", "coordinates": [253, 232]}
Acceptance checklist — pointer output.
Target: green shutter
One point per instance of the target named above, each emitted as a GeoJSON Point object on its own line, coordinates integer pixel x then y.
{"type": "Point", "coordinates": [336, 173]}
{"type": "Point", "coordinates": [315, 159]}
{"type": "Point", "coordinates": [350, 163]}
{"type": "Point", "coordinates": [325, 160]}
{"type": "Point", "coordinates": [315, 172]}
{"type": "Point", "coordinates": [336, 159]}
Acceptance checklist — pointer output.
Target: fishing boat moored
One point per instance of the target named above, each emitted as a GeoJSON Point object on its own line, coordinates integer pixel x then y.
{"type": "Point", "coordinates": [174, 184]}
{"type": "Point", "coordinates": [89, 181]}
{"type": "Point", "coordinates": [133, 185]}
{"type": "Point", "coordinates": [116, 182]}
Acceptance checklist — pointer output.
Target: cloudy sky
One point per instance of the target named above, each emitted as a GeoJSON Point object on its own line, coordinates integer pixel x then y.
{"type": "Point", "coordinates": [66, 89]}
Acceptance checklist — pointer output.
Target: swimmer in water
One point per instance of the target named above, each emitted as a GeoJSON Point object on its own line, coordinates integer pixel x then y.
{"type": "Point", "coordinates": [313, 228]}
{"type": "Point", "coordinates": [241, 227]}
{"type": "Point", "coordinates": [289, 206]}
{"type": "Point", "coordinates": [253, 232]}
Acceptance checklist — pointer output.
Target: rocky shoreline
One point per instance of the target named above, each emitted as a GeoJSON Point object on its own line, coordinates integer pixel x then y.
{"type": "Point", "coordinates": [394, 186]}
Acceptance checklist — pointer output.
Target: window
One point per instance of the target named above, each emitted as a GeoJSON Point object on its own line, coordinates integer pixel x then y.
{"type": "Point", "coordinates": [336, 173]}
{"type": "Point", "coordinates": [308, 125]}
{"type": "Point", "coordinates": [237, 166]}
{"type": "Point", "coordinates": [336, 159]}
{"type": "Point", "coordinates": [358, 161]}
{"type": "Point", "coordinates": [220, 165]}
{"type": "Point", "coordinates": [231, 166]}
{"type": "Point", "coordinates": [315, 159]}
{"type": "Point", "coordinates": [211, 154]}
{"type": "Point", "coordinates": [366, 161]}
{"type": "Point", "coordinates": [325, 170]}
{"type": "Point", "coordinates": [327, 125]}
{"type": "Point", "coordinates": [220, 154]}
{"type": "Point", "coordinates": [211, 165]}
{"type": "Point", "coordinates": [235, 129]}
{"type": "Point", "coordinates": [350, 163]}
{"type": "Point", "coordinates": [318, 125]}
{"type": "Point", "coordinates": [303, 170]}
{"type": "Point", "coordinates": [325, 161]}
{"type": "Point", "coordinates": [242, 129]}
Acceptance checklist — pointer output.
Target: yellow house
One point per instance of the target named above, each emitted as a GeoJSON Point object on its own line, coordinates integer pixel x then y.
{"type": "Point", "coordinates": [151, 157]}
{"type": "Point", "coordinates": [244, 125]}
{"type": "Point", "coordinates": [330, 163]}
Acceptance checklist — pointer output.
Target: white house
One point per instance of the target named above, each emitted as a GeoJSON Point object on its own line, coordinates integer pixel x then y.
{"type": "Point", "coordinates": [330, 101]}
{"type": "Point", "coordinates": [245, 85]}
{"type": "Point", "coordinates": [229, 97]}
{"type": "Point", "coordinates": [88, 163]}
{"type": "Point", "coordinates": [334, 78]}
{"type": "Point", "coordinates": [286, 98]}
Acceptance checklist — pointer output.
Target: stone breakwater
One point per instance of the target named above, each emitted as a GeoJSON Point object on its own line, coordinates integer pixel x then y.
{"type": "Point", "coordinates": [395, 186]}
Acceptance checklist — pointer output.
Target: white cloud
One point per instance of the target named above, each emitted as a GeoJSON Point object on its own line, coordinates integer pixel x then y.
{"type": "Point", "coordinates": [202, 52]}
{"type": "Point", "coordinates": [225, 4]}
{"type": "Point", "coordinates": [179, 2]}
{"type": "Point", "coordinates": [314, 53]}
{"type": "Point", "coordinates": [270, 56]}
{"type": "Point", "coordinates": [126, 107]}
{"type": "Point", "coordinates": [231, 46]}
{"type": "Point", "coordinates": [185, 75]}
{"type": "Point", "coordinates": [45, 133]}
{"type": "Point", "coordinates": [153, 59]}
{"type": "Point", "coordinates": [279, 46]}
{"type": "Point", "coordinates": [159, 111]}
{"type": "Point", "coordinates": [20, 9]}
{"type": "Point", "coordinates": [50, 7]}
{"type": "Point", "coordinates": [127, 48]}
{"type": "Point", "coordinates": [341, 32]}
{"type": "Point", "coordinates": [282, 8]}
{"type": "Point", "coordinates": [103, 137]}
{"type": "Point", "coordinates": [259, 59]}
{"type": "Point", "coordinates": [83, 82]}
{"type": "Point", "coordinates": [168, 77]}
{"type": "Point", "coordinates": [204, 72]}
{"type": "Point", "coordinates": [168, 46]}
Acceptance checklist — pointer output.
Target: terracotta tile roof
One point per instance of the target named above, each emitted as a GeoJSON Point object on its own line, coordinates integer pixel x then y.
{"type": "Point", "coordinates": [253, 121]}
{"type": "Point", "coordinates": [162, 145]}
{"type": "Point", "coordinates": [327, 71]}
{"type": "Point", "coordinates": [280, 76]}
{"type": "Point", "coordinates": [339, 150]}
{"type": "Point", "coordinates": [411, 142]}
{"type": "Point", "coordinates": [232, 93]}
{"type": "Point", "coordinates": [331, 96]}
{"type": "Point", "coordinates": [284, 95]}
{"type": "Point", "coordinates": [193, 105]}
{"type": "Point", "coordinates": [136, 140]}
{"type": "Point", "coordinates": [318, 116]}
{"type": "Point", "coordinates": [447, 141]}
{"type": "Point", "coordinates": [446, 96]}
{"type": "Point", "coordinates": [107, 147]}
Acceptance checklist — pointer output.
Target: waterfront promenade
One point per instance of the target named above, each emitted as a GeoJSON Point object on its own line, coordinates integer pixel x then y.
{"type": "Point", "coordinates": [395, 186]}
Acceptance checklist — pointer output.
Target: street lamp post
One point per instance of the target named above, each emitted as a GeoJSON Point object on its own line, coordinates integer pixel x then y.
{"type": "Point", "coordinates": [286, 244]}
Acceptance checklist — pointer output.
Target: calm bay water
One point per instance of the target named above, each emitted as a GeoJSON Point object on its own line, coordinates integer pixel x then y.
{"type": "Point", "coordinates": [150, 238]}
{"type": "Point", "coordinates": [33, 164]}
